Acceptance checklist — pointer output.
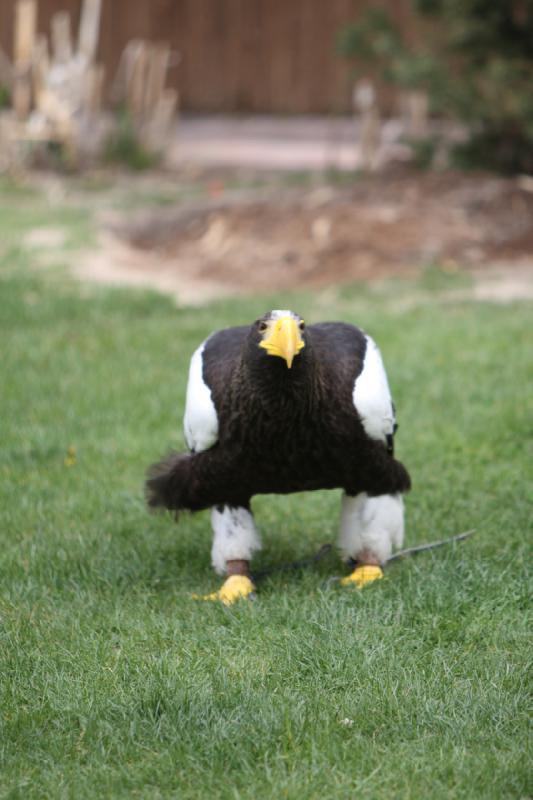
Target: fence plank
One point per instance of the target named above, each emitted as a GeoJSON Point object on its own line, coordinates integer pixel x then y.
{"type": "Point", "coordinates": [269, 56]}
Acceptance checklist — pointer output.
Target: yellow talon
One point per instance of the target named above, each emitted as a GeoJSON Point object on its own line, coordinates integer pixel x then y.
{"type": "Point", "coordinates": [233, 588]}
{"type": "Point", "coordinates": [363, 575]}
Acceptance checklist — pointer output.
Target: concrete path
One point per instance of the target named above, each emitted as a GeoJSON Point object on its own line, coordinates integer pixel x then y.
{"type": "Point", "coordinates": [301, 143]}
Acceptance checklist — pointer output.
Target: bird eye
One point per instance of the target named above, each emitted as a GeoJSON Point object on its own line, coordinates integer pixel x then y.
{"type": "Point", "coordinates": [262, 327]}
{"type": "Point", "coordinates": [301, 325]}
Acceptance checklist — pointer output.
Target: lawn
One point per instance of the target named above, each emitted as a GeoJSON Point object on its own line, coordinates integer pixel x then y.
{"type": "Point", "coordinates": [115, 683]}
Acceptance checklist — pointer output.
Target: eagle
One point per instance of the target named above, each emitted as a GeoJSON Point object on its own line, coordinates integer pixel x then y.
{"type": "Point", "coordinates": [280, 407]}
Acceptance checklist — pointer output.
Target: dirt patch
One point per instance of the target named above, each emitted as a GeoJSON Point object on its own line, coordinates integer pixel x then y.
{"type": "Point", "coordinates": [284, 239]}
{"type": "Point", "coordinates": [48, 238]}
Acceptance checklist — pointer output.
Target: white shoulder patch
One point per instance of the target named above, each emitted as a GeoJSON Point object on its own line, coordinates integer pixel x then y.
{"type": "Point", "coordinates": [200, 422]}
{"type": "Point", "coordinates": [371, 395]}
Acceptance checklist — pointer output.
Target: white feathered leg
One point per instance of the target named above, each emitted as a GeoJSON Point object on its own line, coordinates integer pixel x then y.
{"type": "Point", "coordinates": [370, 528]}
{"type": "Point", "coordinates": [235, 541]}
{"type": "Point", "coordinates": [235, 536]}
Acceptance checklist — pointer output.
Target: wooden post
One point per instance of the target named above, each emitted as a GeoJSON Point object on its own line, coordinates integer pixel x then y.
{"type": "Point", "coordinates": [418, 104]}
{"type": "Point", "coordinates": [158, 58]}
{"type": "Point", "coordinates": [22, 97]}
{"type": "Point", "coordinates": [61, 39]}
{"type": "Point", "coordinates": [364, 101]}
{"type": "Point", "coordinates": [137, 81]}
{"type": "Point", "coordinates": [40, 65]}
{"type": "Point", "coordinates": [159, 127]}
{"type": "Point", "coordinates": [89, 29]}
{"type": "Point", "coordinates": [121, 83]}
{"type": "Point", "coordinates": [94, 81]}
{"type": "Point", "coordinates": [25, 28]}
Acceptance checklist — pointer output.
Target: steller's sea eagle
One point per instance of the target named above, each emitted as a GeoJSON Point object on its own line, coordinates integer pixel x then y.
{"type": "Point", "coordinates": [279, 407]}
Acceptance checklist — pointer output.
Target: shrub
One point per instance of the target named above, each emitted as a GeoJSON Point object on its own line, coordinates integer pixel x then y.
{"type": "Point", "coordinates": [124, 147]}
{"type": "Point", "coordinates": [475, 60]}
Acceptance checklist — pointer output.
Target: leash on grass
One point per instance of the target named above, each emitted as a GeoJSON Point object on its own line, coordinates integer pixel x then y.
{"type": "Point", "coordinates": [292, 566]}
{"type": "Point", "coordinates": [421, 548]}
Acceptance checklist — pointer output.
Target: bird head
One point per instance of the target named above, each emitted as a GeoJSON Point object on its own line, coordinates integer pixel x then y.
{"type": "Point", "coordinates": [281, 334]}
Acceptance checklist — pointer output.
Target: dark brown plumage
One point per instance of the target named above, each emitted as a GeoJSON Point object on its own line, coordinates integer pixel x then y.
{"type": "Point", "coordinates": [280, 430]}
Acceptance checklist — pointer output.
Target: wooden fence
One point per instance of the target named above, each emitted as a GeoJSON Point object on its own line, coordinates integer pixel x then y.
{"type": "Point", "coordinates": [268, 56]}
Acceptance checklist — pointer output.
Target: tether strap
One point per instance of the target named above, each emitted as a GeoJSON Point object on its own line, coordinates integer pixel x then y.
{"type": "Point", "coordinates": [421, 548]}
{"type": "Point", "coordinates": [291, 566]}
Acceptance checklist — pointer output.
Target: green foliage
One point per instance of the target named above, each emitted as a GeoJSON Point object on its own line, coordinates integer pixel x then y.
{"type": "Point", "coordinates": [5, 97]}
{"type": "Point", "coordinates": [474, 58]}
{"type": "Point", "coordinates": [423, 151]}
{"type": "Point", "coordinates": [123, 147]}
{"type": "Point", "coordinates": [377, 40]}
{"type": "Point", "coordinates": [374, 37]}
{"type": "Point", "coordinates": [114, 683]}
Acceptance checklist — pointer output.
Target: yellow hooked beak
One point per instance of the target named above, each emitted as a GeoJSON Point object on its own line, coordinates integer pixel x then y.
{"type": "Point", "coordinates": [283, 339]}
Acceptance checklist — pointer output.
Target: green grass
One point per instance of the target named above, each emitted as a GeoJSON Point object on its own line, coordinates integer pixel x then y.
{"type": "Point", "coordinates": [114, 683]}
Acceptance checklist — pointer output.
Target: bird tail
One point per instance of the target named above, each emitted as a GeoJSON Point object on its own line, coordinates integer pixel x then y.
{"type": "Point", "coordinates": [168, 483]}
{"type": "Point", "coordinates": [402, 477]}
{"type": "Point", "coordinates": [387, 475]}
{"type": "Point", "coordinates": [187, 482]}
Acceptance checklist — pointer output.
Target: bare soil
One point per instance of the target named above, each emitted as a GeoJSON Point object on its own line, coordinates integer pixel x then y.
{"type": "Point", "coordinates": [381, 226]}
{"type": "Point", "coordinates": [282, 238]}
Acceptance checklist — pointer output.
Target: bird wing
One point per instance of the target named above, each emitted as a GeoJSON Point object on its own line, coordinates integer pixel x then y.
{"type": "Point", "coordinates": [200, 423]}
{"type": "Point", "coordinates": [212, 365]}
{"type": "Point", "coordinates": [372, 397]}
{"type": "Point", "coordinates": [356, 366]}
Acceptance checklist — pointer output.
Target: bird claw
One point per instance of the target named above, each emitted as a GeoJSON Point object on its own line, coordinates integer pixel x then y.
{"type": "Point", "coordinates": [234, 588]}
{"type": "Point", "coordinates": [362, 576]}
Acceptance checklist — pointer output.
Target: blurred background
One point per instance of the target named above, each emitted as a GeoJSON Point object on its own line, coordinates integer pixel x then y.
{"type": "Point", "coordinates": [365, 139]}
